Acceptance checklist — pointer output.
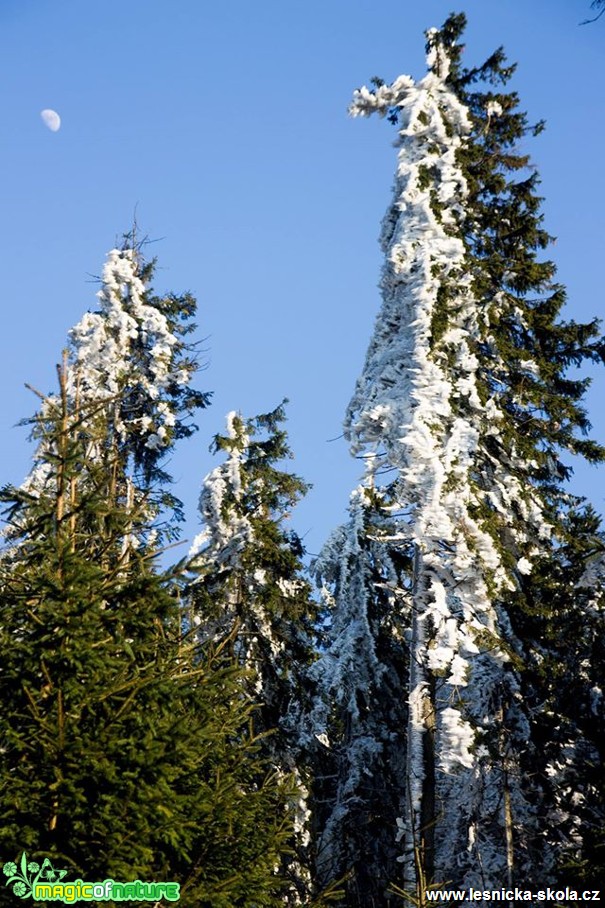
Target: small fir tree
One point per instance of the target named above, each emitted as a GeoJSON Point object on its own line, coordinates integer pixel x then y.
{"type": "Point", "coordinates": [248, 565]}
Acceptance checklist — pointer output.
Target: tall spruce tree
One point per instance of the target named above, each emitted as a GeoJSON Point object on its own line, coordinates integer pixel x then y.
{"type": "Point", "coordinates": [249, 587]}
{"type": "Point", "coordinates": [552, 611]}
{"type": "Point", "coordinates": [466, 392]}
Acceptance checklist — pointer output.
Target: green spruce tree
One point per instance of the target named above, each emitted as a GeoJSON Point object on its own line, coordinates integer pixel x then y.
{"type": "Point", "coordinates": [249, 587]}
{"type": "Point", "coordinates": [132, 364]}
{"type": "Point", "coordinates": [128, 748]}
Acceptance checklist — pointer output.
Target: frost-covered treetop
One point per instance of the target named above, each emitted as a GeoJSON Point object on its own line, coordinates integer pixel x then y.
{"type": "Point", "coordinates": [418, 239]}
{"type": "Point", "coordinates": [125, 388]}
{"type": "Point", "coordinates": [420, 405]}
{"type": "Point", "coordinates": [419, 398]}
{"type": "Point", "coordinates": [227, 529]}
{"type": "Point", "coordinates": [127, 351]}
{"type": "Point", "coordinates": [245, 494]}
{"type": "Point", "coordinates": [425, 107]}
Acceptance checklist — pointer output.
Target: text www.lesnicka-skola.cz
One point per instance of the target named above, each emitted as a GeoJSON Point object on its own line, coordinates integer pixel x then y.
{"type": "Point", "coordinates": [513, 895]}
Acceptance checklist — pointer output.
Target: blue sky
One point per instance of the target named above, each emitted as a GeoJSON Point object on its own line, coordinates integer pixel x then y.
{"type": "Point", "coordinates": [224, 125]}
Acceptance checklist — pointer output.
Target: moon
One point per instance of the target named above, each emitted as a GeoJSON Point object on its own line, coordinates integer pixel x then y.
{"type": "Point", "coordinates": [51, 119]}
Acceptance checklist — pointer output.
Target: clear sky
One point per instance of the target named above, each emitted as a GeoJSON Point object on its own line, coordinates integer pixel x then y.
{"type": "Point", "coordinates": [224, 124]}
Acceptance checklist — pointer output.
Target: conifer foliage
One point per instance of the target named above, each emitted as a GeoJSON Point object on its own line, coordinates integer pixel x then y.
{"type": "Point", "coordinates": [128, 749]}
{"type": "Point", "coordinates": [249, 581]}
{"type": "Point", "coordinates": [131, 367]}
{"type": "Point", "coordinates": [599, 6]}
{"type": "Point", "coordinates": [249, 587]}
{"type": "Point", "coordinates": [437, 718]}
{"type": "Point", "coordinates": [465, 394]}
{"type": "Point", "coordinates": [359, 717]}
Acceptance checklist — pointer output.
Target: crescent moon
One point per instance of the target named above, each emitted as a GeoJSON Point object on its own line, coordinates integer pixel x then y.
{"type": "Point", "coordinates": [51, 119]}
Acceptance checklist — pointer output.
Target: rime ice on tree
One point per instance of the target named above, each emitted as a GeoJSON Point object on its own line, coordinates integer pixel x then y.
{"type": "Point", "coordinates": [126, 353]}
{"type": "Point", "coordinates": [128, 370]}
{"type": "Point", "coordinates": [359, 717]}
{"type": "Point", "coordinates": [419, 400]}
{"type": "Point", "coordinates": [246, 564]}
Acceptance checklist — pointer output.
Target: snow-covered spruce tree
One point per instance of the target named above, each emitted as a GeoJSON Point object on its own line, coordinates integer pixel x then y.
{"type": "Point", "coordinates": [249, 587]}
{"type": "Point", "coordinates": [464, 389]}
{"type": "Point", "coordinates": [132, 367]}
{"type": "Point", "coordinates": [127, 750]}
{"type": "Point", "coordinates": [359, 716]}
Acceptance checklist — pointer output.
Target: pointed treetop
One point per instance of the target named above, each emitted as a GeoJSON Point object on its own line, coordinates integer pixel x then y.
{"type": "Point", "coordinates": [132, 348]}
{"type": "Point", "coordinates": [442, 48]}
{"type": "Point", "coordinates": [126, 383]}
